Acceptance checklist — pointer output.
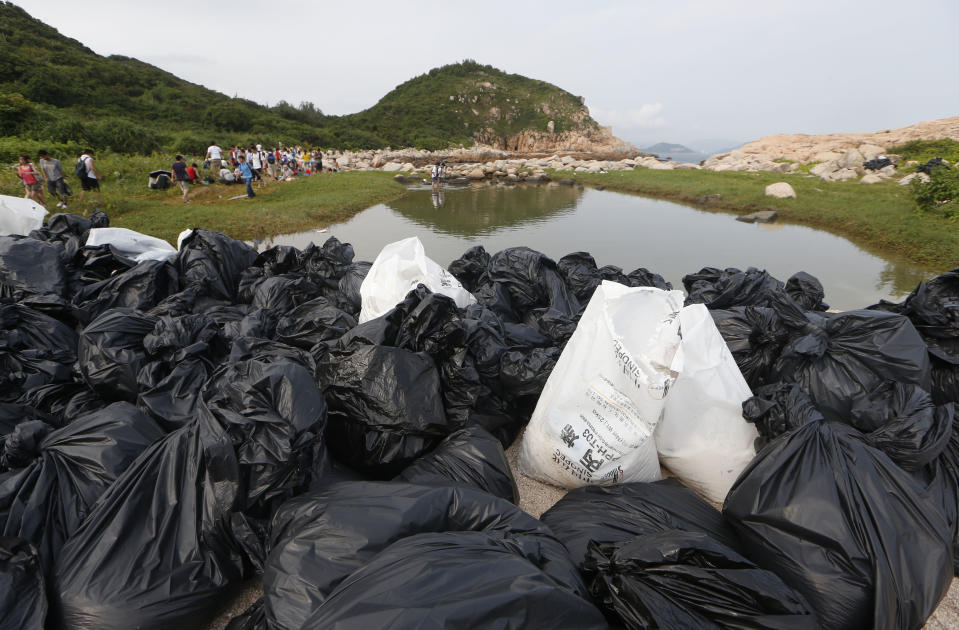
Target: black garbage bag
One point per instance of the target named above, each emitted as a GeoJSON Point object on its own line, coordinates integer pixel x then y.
{"type": "Point", "coordinates": [900, 420]}
{"type": "Point", "coordinates": [536, 289]}
{"type": "Point", "coordinates": [176, 531]}
{"type": "Point", "coordinates": [100, 262]}
{"type": "Point", "coordinates": [35, 350]}
{"type": "Point", "coordinates": [525, 372]}
{"type": "Point", "coordinates": [55, 476]}
{"type": "Point", "coordinates": [903, 422]}
{"type": "Point", "coordinates": [350, 283]}
{"type": "Point", "coordinates": [312, 322]}
{"type": "Point", "coordinates": [211, 263]}
{"type": "Point", "coordinates": [183, 351]}
{"type": "Point", "coordinates": [23, 601]}
{"type": "Point", "coordinates": [941, 480]}
{"type": "Point", "coordinates": [141, 287]}
{"type": "Point", "coordinates": [838, 357]}
{"type": "Point", "coordinates": [470, 456]}
{"type": "Point", "coordinates": [470, 268]}
{"type": "Point", "coordinates": [63, 401]}
{"type": "Point", "coordinates": [110, 353]}
{"type": "Point", "coordinates": [615, 514]}
{"type": "Point", "coordinates": [877, 163]}
{"type": "Point", "coordinates": [934, 164]}
{"type": "Point", "coordinates": [321, 538]}
{"type": "Point", "coordinates": [725, 288]}
{"type": "Point", "coordinates": [253, 618]}
{"type": "Point", "coordinates": [32, 272]}
{"type": "Point", "coordinates": [386, 407]}
{"type": "Point", "coordinates": [457, 580]}
{"type": "Point", "coordinates": [778, 408]}
{"type": "Point", "coordinates": [755, 336]}
{"type": "Point", "coordinates": [933, 307]}
{"type": "Point", "coordinates": [839, 522]}
{"type": "Point", "coordinates": [275, 415]}
{"type": "Point", "coordinates": [681, 579]}
{"type": "Point", "coordinates": [642, 277]}
{"type": "Point", "coordinates": [806, 290]}
{"type": "Point", "coordinates": [581, 274]}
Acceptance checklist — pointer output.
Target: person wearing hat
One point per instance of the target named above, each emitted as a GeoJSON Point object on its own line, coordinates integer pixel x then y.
{"type": "Point", "coordinates": [52, 172]}
{"type": "Point", "coordinates": [89, 177]}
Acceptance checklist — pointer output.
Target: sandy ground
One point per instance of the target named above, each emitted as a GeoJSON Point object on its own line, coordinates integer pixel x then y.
{"type": "Point", "coordinates": [536, 498]}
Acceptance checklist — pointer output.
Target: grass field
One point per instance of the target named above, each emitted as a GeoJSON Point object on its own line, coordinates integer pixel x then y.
{"type": "Point", "coordinates": [881, 218]}
{"type": "Point", "coordinates": [278, 208]}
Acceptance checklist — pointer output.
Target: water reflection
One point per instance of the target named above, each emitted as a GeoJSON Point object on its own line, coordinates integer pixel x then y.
{"type": "Point", "coordinates": [481, 210]}
{"type": "Point", "coordinates": [624, 230]}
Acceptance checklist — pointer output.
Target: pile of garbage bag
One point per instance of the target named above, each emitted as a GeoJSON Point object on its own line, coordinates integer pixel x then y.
{"type": "Point", "coordinates": [177, 421]}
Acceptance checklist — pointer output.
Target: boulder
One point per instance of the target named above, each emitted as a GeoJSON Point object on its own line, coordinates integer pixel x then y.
{"type": "Point", "coordinates": [905, 181]}
{"type": "Point", "coordinates": [826, 156]}
{"type": "Point", "coordinates": [844, 174]}
{"type": "Point", "coordinates": [378, 162]}
{"type": "Point", "coordinates": [780, 190]}
{"type": "Point", "coordinates": [476, 174]}
{"type": "Point", "coordinates": [763, 216]}
{"type": "Point", "coordinates": [567, 182]}
{"type": "Point", "coordinates": [392, 167]}
{"type": "Point", "coordinates": [887, 171]}
{"type": "Point", "coordinates": [408, 168]}
{"type": "Point", "coordinates": [825, 169]}
{"type": "Point", "coordinates": [871, 178]}
{"type": "Point", "coordinates": [870, 151]}
{"type": "Point", "coordinates": [851, 159]}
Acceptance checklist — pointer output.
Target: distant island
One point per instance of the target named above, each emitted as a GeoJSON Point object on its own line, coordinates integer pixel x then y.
{"type": "Point", "coordinates": [667, 148]}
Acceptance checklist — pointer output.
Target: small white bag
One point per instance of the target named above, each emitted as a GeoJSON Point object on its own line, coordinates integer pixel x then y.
{"type": "Point", "coordinates": [702, 437]}
{"type": "Point", "coordinates": [20, 216]}
{"type": "Point", "coordinates": [398, 268]}
{"type": "Point", "coordinates": [137, 246]}
{"type": "Point", "coordinates": [595, 419]}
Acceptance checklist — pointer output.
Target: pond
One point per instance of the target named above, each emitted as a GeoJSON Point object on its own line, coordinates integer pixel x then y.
{"type": "Point", "coordinates": [629, 231]}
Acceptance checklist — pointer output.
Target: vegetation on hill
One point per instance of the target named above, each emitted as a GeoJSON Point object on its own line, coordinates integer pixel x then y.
{"type": "Point", "coordinates": [58, 93]}
{"type": "Point", "coordinates": [924, 150]}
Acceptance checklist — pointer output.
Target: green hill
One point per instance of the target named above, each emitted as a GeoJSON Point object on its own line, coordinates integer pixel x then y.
{"type": "Point", "coordinates": [468, 102]}
{"type": "Point", "coordinates": [55, 91]}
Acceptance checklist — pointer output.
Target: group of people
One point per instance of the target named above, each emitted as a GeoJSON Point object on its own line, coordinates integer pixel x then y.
{"type": "Point", "coordinates": [249, 165]}
{"type": "Point", "coordinates": [438, 173]}
{"type": "Point", "coordinates": [50, 172]}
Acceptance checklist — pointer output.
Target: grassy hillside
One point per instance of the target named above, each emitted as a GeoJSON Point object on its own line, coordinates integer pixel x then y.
{"type": "Point", "coordinates": [58, 93]}
{"type": "Point", "coordinates": [466, 102]}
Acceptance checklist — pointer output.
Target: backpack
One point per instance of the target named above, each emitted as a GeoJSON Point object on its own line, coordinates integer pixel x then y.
{"type": "Point", "coordinates": [270, 158]}
{"type": "Point", "coordinates": [80, 170]}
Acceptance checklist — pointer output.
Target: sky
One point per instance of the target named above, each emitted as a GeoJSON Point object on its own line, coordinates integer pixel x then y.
{"type": "Point", "coordinates": [705, 73]}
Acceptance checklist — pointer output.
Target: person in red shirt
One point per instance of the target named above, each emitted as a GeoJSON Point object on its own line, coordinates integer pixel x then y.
{"type": "Point", "coordinates": [193, 173]}
{"type": "Point", "coordinates": [32, 180]}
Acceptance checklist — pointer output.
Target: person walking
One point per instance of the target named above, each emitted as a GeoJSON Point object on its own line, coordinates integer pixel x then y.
{"type": "Point", "coordinates": [271, 164]}
{"type": "Point", "coordinates": [246, 172]}
{"type": "Point", "coordinates": [214, 155]}
{"type": "Point", "coordinates": [181, 177]}
{"type": "Point", "coordinates": [31, 180]}
{"type": "Point", "coordinates": [52, 172]}
{"type": "Point", "coordinates": [256, 163]}
{"type": "Point", "coordinates": [87, 172]}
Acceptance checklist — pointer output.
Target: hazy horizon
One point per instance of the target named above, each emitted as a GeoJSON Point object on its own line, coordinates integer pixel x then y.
{"type": "Point", "coordinates": [683, 73]}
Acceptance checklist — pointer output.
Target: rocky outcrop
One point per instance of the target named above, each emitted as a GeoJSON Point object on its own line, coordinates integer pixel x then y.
{"type": "Point", "coordinates": [840, 157]}
{"type": "Point", "coordinates": [583, 140]}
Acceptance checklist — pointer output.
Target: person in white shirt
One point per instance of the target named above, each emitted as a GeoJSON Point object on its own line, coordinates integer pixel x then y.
{"type": "Point", "coordinates": [255, 157]}
{"type": "Point", "coordinates": [215, 155]}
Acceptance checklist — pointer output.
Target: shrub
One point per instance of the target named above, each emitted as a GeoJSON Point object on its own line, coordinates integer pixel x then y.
{"type": "Point", "coordinates": [940, 194]}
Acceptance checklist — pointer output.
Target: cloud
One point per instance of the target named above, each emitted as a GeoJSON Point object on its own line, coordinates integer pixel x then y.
{"type": "Point", "coordinates": [647, 116]}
